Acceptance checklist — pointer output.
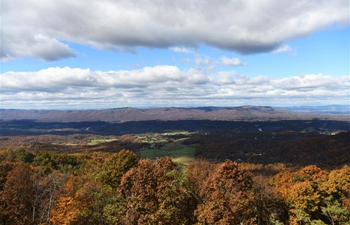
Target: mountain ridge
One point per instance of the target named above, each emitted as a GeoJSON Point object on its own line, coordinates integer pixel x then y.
{"type": "Point", "coordinates": [127, 114]}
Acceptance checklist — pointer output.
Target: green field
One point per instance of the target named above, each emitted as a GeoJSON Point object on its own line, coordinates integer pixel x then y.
{"type": "Point", "coordinates": [182, 155]}
{"type": "Point", "coordinates": [98, 141]}
{"type": "Point", "coordinates": [186, 151]}
{"type": "Point", "coordinates": [170, 146]}
{"type": "Point", "coordinates": [153, 153]}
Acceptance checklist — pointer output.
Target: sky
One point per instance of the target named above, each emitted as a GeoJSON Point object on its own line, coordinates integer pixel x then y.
{"type": "Point", "coordinates": [98, 54]}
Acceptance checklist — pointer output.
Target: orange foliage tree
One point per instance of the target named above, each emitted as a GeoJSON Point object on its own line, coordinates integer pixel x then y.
{"type": "Point", "coordinates": [18, 195]}
{"type": "Point", "coordinates": [155, 193]}
{"type": "Point", "coordinates": [315, 196]}
{"type": "Point", "coordinates": [228, 196]}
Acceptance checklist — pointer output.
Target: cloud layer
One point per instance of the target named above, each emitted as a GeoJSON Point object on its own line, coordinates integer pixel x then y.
{"type": "Point", "coordinates": [164, 86]}
{"type": "Point", "coordinates": [42, 29]}
{"type": "Point", "coordinates": [232, 62]}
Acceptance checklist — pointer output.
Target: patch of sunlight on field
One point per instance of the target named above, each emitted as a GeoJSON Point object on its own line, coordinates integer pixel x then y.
{"type": "Point", "coordinates": [98, 141]}
{"type": "Point", "coordinates": [67, 144]}
{"type": "Point", "coordinates": [183, 155]}
{"type": "Point", "coordinates": [183, 159]}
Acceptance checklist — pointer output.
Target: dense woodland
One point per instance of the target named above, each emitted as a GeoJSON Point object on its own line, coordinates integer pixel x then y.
{"type": "Point", "coordinates": [272, 172]}
{"type": "Point", "coordinates": [45, 187]}
{"type": "Point", "coordinates": [326, 151]}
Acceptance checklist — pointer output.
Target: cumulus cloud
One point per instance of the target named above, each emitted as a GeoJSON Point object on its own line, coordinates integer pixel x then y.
{"type": "Point", "coordinates": [37, 46]}
{"type": "Point", "coordinates": [164, 86]}
{"type": "Point", "coordinates": [182, 50]}
{"type": "Point", "coordinates": [232, 62]}
{"type": "Point", "coordinates": [283, 48]}
{"type": "Point", "coordinates": [244, 26]}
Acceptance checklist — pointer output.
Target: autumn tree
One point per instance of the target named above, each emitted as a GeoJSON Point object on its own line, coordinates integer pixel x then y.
{"type": "Point", "coordinates": [315, 196]}
{"type": "Point", "coordinates": [155, 193]}
{"type": "Point", "coordinates": [66, 210]}
{"type": "Point", "coordinates": [270, 207]}
{"type": "Point", "coordinates": [199, 172]}
{"type": "Point", "coordinates": [336, 196]}
{"type": "Point", "coordinates": [5, 168]}
{"type": "Point", "coordinates": [90, 195]}
{"type": "Point", "coordinates": [228, 196]}
{"type": "Point", "coordinates": [176, 203]}
{"type": "Point", "coordinates": [18, 195]}
{"type": "Point", "coordinates": [47, 190]}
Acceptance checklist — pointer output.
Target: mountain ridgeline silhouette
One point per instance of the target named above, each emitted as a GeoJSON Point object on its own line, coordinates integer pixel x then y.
{"type": "Point", "coordinates": [165, 114]}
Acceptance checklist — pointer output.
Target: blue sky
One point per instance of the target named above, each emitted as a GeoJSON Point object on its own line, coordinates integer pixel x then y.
{"type": "Point", "coordinates": [109, 54]}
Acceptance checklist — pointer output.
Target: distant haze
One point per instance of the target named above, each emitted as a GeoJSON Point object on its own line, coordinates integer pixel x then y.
{"type": "Point", "coordinates": [249, 113]}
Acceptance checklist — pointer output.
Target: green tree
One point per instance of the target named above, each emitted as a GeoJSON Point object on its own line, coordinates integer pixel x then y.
{"type": "Point", "coordinates": [24, 156]}
{"type": "Point", "coordinates": [116, 166]}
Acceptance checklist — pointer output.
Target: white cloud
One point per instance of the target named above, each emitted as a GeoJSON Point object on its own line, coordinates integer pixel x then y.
{"type": "Point", "coordinates": [205, 60]}
{"type": "Point", "coordinates": [182, 50]}
{"type": "Point", "coordinates": [244, 26]}
{"type": "Point", "coordinates": [164, 86]}
{"type": "Point", "coordinates": [232, 62]}
{"type": "Point", "coordinates": [37, 45]}
{"type": "Point", "coordinates": [205, 63]}
{"type": "Point", "coordinates": [282, 48]}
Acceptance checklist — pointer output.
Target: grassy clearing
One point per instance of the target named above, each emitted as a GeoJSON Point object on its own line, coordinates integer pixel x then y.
{"type": "Point", "coordinates": [171, 147]}
{"type": "Point", "coordinates": [153, 153]}
{"type": "Point", "coordinates": [98, 141]}
{"type": "Point", "coordinates": [186, 151]}
{"type": "Point", "coordinates": [183, 159]}
{"type": "Point", "coordinates": [183, 155]}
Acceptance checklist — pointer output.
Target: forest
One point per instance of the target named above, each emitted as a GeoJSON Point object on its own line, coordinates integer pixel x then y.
{"type": "Point", "coordinates": [45, 187]}
{"type": "Point", "coordinates": [175, 172]}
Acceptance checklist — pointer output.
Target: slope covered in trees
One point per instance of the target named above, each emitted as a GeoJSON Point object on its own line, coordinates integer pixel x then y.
{"type": "Point", "coordinates": [285, 147]}
{"type": "Point", "coordinates": [242, 172]}
{"type": "Point", "coordinates": [119, 188]}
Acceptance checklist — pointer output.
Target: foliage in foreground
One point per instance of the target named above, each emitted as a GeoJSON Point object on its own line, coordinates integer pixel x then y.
{"type": "Point", "coordinates": [119, 188]}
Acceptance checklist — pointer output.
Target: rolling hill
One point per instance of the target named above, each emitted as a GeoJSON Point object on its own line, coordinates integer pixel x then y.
{"type": "Point", "coordinates": [164, 114]}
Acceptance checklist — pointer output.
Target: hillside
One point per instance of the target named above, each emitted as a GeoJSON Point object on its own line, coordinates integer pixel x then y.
{"type": "Point", "coordinates": [169, 113]}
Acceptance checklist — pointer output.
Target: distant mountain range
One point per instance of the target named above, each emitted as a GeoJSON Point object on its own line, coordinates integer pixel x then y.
{"type": "Point", "coordinates": [165, 114]}
{"type": "Point", "coordinates": [328, 109]}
